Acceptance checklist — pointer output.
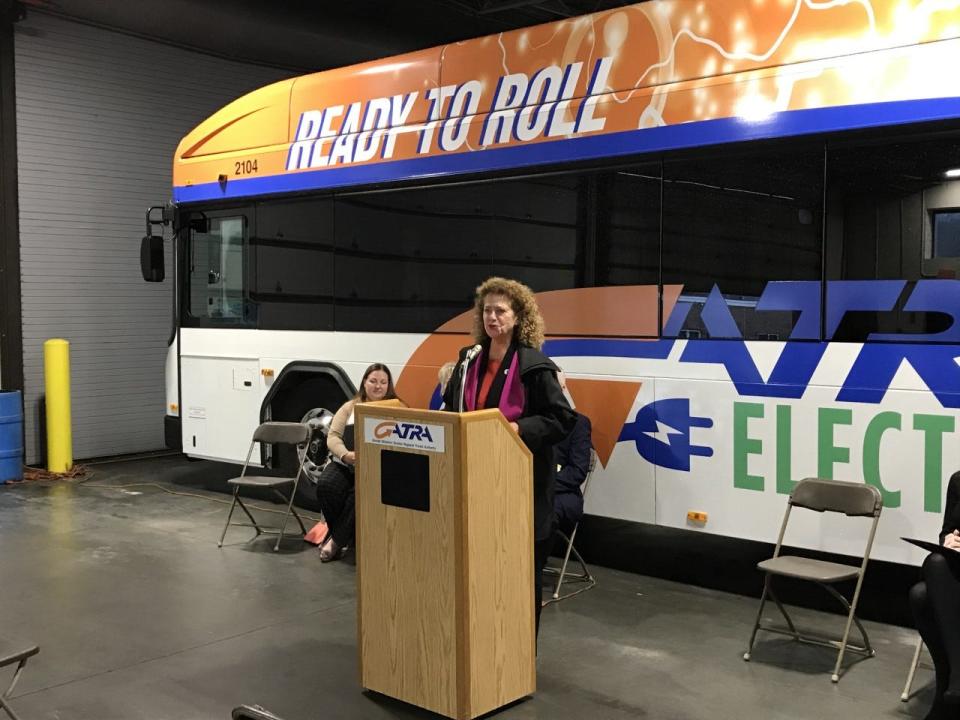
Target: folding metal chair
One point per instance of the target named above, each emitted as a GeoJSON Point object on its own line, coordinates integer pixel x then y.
{"type": "Point", "coordinates": [914, 664]}
{"type": "Point", "coordinates": [584, 576]}
{"type": "Point", "coordinates": [276, 433]}
{"type": "Point", "coordinates": [852, 500]}
{"type": "Point", "coordinates": [11, 653]}
{"type": "Point", "coordinates": [252, 712]}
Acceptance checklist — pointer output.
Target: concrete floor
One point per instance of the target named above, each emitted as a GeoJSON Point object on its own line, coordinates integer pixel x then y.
{"type": "Point", "coordinates": [139, 615]}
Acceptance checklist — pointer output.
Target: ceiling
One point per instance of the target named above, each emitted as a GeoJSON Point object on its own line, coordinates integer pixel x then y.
{"type": "Point", "coordinates": [308, 35]}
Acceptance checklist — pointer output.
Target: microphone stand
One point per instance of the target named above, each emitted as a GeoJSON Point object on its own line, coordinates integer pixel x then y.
{"type": "Point", "coordinates": [472, 353]}
{"type": "Point", "coordinates": [463, 379]}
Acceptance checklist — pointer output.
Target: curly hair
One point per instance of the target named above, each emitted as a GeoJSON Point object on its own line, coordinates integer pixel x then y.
{"type": "Point", "coordinates": [529, 329]}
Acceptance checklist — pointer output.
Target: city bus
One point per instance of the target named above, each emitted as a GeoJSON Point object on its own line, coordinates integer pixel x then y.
{"type": "Point", "coordinates": [741, 220]}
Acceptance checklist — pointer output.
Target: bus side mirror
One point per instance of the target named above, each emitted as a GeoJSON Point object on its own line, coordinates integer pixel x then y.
{"type": "Point", "coordinates": [151, 258]}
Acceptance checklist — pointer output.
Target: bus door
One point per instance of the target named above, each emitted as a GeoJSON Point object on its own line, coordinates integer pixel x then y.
{"type": "Point", "coordinates": [221, 387]}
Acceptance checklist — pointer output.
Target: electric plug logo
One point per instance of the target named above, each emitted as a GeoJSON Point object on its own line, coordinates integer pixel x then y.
{"type": "Point", "coordinates": [661, 433]}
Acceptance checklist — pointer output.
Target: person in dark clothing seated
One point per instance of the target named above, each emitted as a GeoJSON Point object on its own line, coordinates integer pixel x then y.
{"type": "Point", "coordinates": [936, 609]}
{"type": "Point", "coordinates": [336, 486]}
{"type": "Point", "coordinates": [573, 463]}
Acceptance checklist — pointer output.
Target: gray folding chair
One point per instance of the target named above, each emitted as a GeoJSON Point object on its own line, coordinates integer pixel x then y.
{"type": "Point", "coordinates": [252, 712]}
{"type": "Point", "coordinates": [275, 433]}
{"type": "Point", "coordinates": [852, 500]}
{"type": "Point", "coordinates": [914, 664]}
{"type": "Point", "coordinates": [584, 578]}
{"type": "Point", "coordinates": [11, 653]}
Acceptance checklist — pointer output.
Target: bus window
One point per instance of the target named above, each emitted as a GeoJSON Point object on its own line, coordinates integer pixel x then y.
{"type": "Point", "coordinates": [734, 222]}
{"type": "Point", "coordinates": [628, 247]}
{"type": "Point", "coordinates": [889, 218]}
{"type": "Point", "coordinates": [409, 260]}
{"type": "Point", "coordinates": [537, 235]}
{"type": "Point", "coordinates": [946, 234]}
{"type": "Point", "coordinates": [293, 248]}
{"type": "Point", "coordinates": [216, 272]}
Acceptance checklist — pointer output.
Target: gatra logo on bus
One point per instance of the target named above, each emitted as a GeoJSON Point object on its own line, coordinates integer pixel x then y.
{"type": "Point", "coordinates": [403, 431]}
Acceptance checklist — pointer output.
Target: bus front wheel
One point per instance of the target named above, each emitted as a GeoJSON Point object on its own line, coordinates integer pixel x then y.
{"type": "Point", "coordinates": [319, 421]}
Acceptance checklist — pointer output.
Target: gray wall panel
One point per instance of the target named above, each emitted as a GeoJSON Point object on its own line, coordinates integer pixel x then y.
{"type": "Point", "coordinates": [99, 115]}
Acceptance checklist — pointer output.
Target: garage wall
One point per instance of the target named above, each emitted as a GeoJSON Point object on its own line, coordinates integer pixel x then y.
{"type": "Point", "coordinates": [99, 115]}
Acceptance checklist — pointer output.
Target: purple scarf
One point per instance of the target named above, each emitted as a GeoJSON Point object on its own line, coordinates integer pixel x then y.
{"type": "Point", "coordinates": [512, 398]}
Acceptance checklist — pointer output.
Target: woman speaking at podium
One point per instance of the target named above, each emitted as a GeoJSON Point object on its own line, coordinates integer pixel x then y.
{"type": "Point", "coordinates": [506, 370]}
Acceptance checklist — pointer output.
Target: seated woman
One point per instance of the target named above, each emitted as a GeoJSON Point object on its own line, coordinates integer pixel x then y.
{"type": "Point", "coordinates": [936, 609]}
{"type": "Point", "coordinates": [335, 487]}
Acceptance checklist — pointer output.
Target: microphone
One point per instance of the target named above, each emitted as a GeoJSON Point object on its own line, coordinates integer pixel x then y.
{"type": "Point", "coordinates": [467, 359]}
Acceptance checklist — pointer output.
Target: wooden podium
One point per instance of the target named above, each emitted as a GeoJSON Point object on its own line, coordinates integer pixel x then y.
{"type": "Point", "coordinates": [444, 558]}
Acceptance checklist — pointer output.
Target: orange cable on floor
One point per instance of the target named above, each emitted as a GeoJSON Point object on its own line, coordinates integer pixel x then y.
{"type": "Point", "coordinates": [33, 474]}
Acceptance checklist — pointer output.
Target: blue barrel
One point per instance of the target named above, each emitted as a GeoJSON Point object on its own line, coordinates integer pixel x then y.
{"type": "Point", "coordinates": [11, 436]}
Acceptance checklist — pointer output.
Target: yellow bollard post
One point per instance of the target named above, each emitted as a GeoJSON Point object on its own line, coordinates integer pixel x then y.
{"type": "Point", "coordinates": [56, 370]}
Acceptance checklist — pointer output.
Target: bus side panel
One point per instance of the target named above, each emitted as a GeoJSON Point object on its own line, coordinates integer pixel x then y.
{"type": "Point", "coordinates": [171, 421]}
{"type": "Point", "coordinates": [736, 457]}
{"type": "Point", "coordinates": [625, 486]}
{"type": "Point", "coordinates": [221, 406]}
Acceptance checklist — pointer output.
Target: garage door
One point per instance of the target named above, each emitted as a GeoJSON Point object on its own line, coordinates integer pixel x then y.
{"type": "Point", "coordinates": [99, 115]}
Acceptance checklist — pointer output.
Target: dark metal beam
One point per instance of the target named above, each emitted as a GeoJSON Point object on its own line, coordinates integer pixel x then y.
{"type": "Point", "coordinates": [11, 321]}
{"type": "Point", "coordinates": [495, 7]}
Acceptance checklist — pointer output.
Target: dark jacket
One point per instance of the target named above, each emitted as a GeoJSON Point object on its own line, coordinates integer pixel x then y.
{"type": "Point", "coordinates": [572, 457]}
{"type": "Point", "coordinates": [951, 513]}
{"type": "Point", "coordinates": [547, 418]}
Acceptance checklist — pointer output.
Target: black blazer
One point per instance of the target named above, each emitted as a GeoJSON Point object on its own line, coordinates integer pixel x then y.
{"type": "Point", "coordinates": [547, 418]}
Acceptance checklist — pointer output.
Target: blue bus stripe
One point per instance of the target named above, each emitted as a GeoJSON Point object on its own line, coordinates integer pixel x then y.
{"type": "Point", "coordinates": [709, 132]}
{"type": "Point", "coordinates": [599, 347]}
